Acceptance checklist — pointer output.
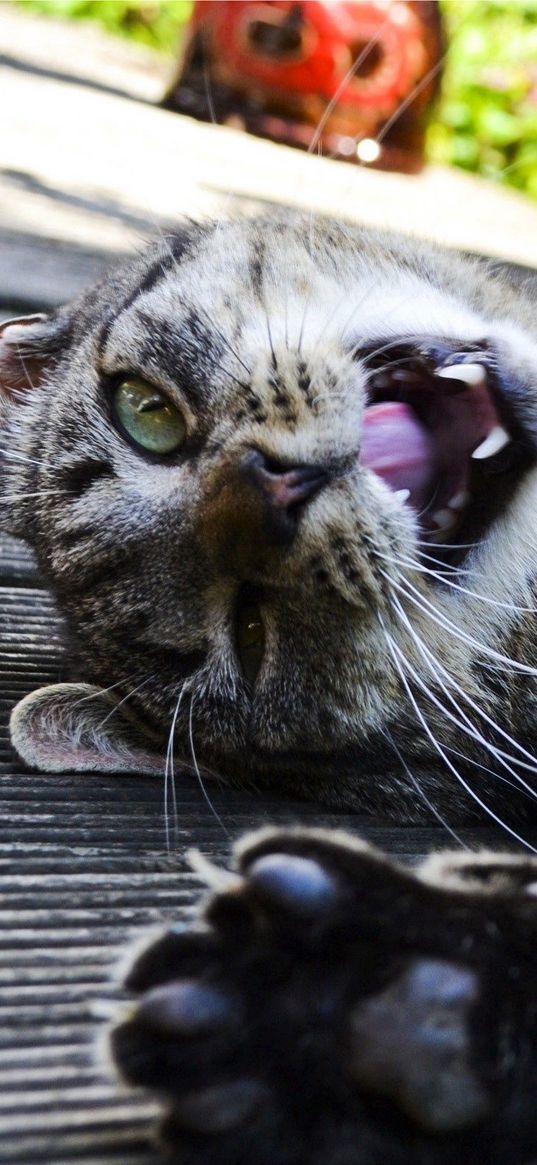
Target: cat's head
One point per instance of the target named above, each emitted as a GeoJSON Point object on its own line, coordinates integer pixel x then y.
{"type": "Point", "coordinates": [237, 459]}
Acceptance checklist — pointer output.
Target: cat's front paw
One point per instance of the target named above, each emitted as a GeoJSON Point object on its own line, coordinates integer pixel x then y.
{"type": "Point", "coordinates": [331, 1006]}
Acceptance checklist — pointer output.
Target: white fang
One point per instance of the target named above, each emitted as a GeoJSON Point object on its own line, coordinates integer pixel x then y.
{"type": "Point", "coordinates": [496, 440]}
{"type": "Point", "coordinates": [472, 374]}
{"type": "Point", "coordinates": [460, 500]}
{"type": "Point", "coordinates": [444, 519]}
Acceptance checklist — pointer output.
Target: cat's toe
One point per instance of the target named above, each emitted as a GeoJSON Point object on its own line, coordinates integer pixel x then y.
{"type": "Point", "coordinates": [182, 952]}
{"type": "Point", "coordinates": [187, 1008]}
{"type": "Point", "coordinates": [290, 882]}
{"type": "Point", "coordinates": [182, 1034]}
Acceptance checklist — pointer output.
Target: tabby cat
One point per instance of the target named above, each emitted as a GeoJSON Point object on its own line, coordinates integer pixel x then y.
{"type": "Point", "coordinates": [281, 476]}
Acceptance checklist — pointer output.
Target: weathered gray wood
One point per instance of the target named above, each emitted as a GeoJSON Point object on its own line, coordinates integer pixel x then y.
{"type": "Point", "coordinates": [35, 276]}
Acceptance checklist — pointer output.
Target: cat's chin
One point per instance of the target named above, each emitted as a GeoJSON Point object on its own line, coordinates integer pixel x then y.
{"type": "Point", "coordinates": [79, 727]}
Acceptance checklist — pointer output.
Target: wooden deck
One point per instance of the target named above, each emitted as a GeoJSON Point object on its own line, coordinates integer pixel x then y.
{"type": "Point", "coordinates": [88, 169]}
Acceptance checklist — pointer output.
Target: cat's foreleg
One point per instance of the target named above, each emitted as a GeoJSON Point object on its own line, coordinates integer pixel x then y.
{"type": "Point", "coordinates": [330, 1005]}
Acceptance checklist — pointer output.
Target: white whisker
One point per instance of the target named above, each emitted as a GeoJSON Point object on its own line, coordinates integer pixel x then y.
{"type": "Point", "coordinates": [447, 545]}
{"type": "Point", "coordinates": [124, 699]}
{"type": "Point", "coordinates": [209, 803]}
{"type": "Point", "coordinates": [465, 724]}
{"type": "Point", "coordinates": [395, 343]}
{"type": "Point", "coordinates": [10, 456]}
{"type": "Point", "coordinates": [435, 574]}
{"type": "Point", "coordinates": [28, 378]}
{"type": "Point", "coordinates": [316, 139]}
{"type": "Point", "coordinates": [208, 94]}
{"type": "Point", "coordinates": [447, 567]}
{"type": "Point", "coordinates": [421, 792]}
{"type": "Point", "coordinates": [397, 656]}
{"type": "Point", "coordinates": [169, 771]}
{"type": "Point", "coordinates": [429, 76]}
{"type": "Point", "coordinates": [486, 769]}
{"type": "Point", "coordinates": [102, 691]}
{"type": "Point", "coordinates": [307, 303]}
{"type": "Point", "coordinates": [447, 624]}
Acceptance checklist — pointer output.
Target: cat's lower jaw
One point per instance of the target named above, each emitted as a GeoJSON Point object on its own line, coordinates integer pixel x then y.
{"type": "Point", "coordinates": [332, 1006]}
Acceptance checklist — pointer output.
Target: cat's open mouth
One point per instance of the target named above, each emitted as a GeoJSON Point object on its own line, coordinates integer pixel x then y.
{"type": "Point", "coordinates": [439, 431]}
{"type": "Point", "coordinates": [434, 432]}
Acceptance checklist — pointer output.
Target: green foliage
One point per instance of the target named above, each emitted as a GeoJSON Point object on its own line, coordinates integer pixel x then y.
{"type": "Point", "coordinates": [486, 120]}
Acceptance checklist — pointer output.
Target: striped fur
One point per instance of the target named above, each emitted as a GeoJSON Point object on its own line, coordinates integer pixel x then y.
{"type": "Point", "coordinates": [256, 330]}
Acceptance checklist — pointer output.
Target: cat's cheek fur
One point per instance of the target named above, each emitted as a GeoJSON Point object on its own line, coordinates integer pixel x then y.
{"type": "Point", "coordinates": [78, 727]}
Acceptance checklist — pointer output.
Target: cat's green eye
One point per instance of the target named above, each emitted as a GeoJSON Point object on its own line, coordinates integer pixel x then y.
{"type": "Point", "coordinates": [148, 417]}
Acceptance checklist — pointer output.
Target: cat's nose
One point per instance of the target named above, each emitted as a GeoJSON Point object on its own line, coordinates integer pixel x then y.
{"type": "Point", "coordinates": [284, 488]}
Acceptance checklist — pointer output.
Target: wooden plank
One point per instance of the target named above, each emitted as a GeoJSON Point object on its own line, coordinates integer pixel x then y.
{"type": "Point", "coordinates": [38, 276]}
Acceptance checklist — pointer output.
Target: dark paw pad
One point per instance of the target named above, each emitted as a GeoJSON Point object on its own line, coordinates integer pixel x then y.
{"type": "Point", "coordinates": [411, 1042]}
{"type": "Point", "coordinates": [221, 1107]}
{"type": "Point", "coordinates": [330, 1005]}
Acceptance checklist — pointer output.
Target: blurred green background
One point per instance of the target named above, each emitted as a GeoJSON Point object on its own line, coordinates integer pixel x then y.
{"type": "Point", "coordinates": [486, 118]}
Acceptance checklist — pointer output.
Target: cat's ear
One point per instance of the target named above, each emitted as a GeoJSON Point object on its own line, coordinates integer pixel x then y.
{"type": "Point", "coordinates": [28, 344]}
{"type": "Point", "coordinates": [79, 727]}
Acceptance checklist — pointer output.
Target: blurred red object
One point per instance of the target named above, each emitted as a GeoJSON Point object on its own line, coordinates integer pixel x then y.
{"type": "Point", "coordinates": [352, 80]}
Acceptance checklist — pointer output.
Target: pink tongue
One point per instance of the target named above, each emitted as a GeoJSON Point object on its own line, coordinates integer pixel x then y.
{"type": "Point", "coordinates": [399, 450]}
